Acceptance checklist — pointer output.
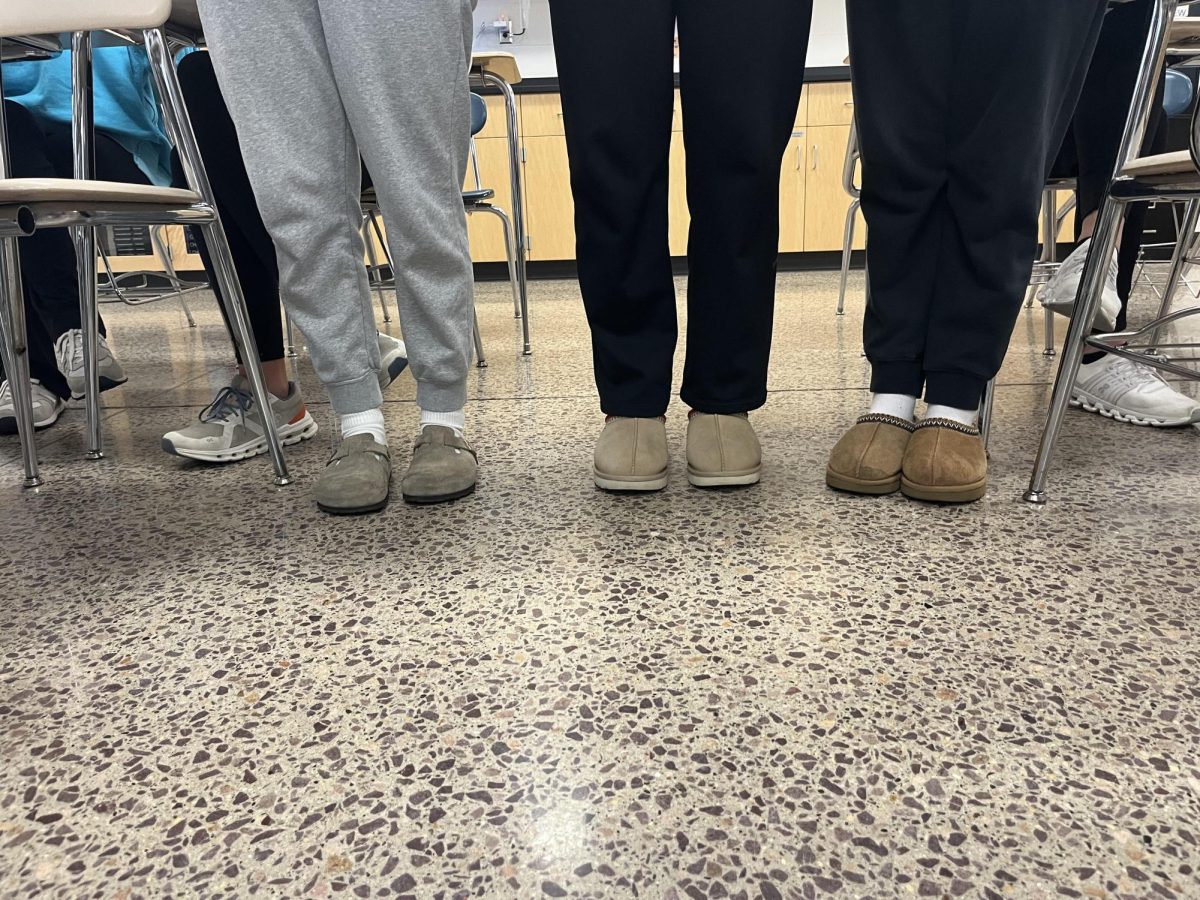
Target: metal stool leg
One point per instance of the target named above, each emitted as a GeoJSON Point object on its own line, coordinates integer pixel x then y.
{"type": "Point", "coordinates": [847, 250]}
{"type": "Point", "coordinates": [89, 313]}
{"type": "Point", "coordinates": [168, 264]}
{"type": "Point", "coordinates": [1049, 255]}
{"type": "Point", "coordinates": [985, 412]}
{"type": "Point", "coordinates": [1183, 248]}
{"type": "Point", "coordinates": [14, 347]}
{"type": "Point", "coordinates": [480, 359]}
{"type": "Point", "coordinates": [374, 276]}
{"type": "Point", "coordinates": [290, 332]}
{"type": "Point", "coordinates": [520, 301]}
{"type": "Point", "coordinates": [1087, 304]}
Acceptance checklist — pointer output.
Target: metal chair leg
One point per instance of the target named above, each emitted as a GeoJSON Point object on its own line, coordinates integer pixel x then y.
{"type": "Point", "coordinates": [480, 359]}
{"type": "Point", "coordinates": [168, 264]}
{"type": "Point", "coordinates": [14, 349]}
{"type": "Point", "coordinates": [290, 332]}
{"type": "Point", "coordinates": [1049, 255]}
{"type": "Point", "coordinates": [1087, 304]}
{"type": "Point", "coordinates": [847, 250]}
{"type": "Point", "coordinates": [89, 314]}
{"type": "Point", "coordinates": [373, 275]}
{"type": "Point", "coordinates": [985, 412]}
{"type": "Point", "coordinates": [520, 301]}
{"type": "Point", "coordinates": [1184, 245]}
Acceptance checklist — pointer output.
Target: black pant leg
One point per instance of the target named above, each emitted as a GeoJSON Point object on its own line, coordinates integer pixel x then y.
{"type": "Point", "coordinates": [901, 61]}
{"type": "Point", "coordinates": [617, 112]}
{"type": "Point", "coordinates": [1018, 72]}
{"type": "Point", "coordinates": [250, 244]}
{"type": "Point", "coordinates": [736, 131]}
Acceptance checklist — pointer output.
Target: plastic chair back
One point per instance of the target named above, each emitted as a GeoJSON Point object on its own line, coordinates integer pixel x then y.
{"type": "Point", "coordinates": [479, 114]}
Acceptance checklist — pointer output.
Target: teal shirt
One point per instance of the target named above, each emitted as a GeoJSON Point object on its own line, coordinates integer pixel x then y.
{"type": "Point", "coordinates": [124, 102]}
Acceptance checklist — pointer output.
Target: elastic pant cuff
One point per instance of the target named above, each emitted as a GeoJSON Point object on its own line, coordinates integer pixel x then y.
{"type": "Point", "coordinates": [897, 377]}
{"type": "Point", "coordinates": [441, 397]}
{"type": "Point", "coordinates": [957, 389]}
{"type": "Point", "coordinates": [359, 395]}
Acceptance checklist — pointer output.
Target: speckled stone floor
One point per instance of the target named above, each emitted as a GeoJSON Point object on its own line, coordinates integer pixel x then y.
{"type": "Point", "coordinates": [208, 689]}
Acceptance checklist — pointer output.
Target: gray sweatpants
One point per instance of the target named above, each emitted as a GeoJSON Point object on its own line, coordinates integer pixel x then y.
{"type": "Point", "coordinates": [311, 84]}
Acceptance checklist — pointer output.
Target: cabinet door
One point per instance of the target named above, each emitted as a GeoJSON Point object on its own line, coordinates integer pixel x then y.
{"type": "Point", "coordinates": [825, 201]}
{"type": "Point", "coordinates": [541, 115]}
{"type": "Point", "coordinates": [791, 194]}
{"type": "Point", "coordinates": [680, 217]}
{"type": "Point", "coordinates": [830, 103]}
{"type": "Point", "coordinates": [549, 207]}
{"type": "Point", "coordinates": [485, 230]}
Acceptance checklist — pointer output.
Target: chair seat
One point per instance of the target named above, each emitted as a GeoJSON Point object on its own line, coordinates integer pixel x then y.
{"type": "Point", "coordinates": [1176, 163]}
{"type": "Point", "coordinates": [70, 191]}
{"type": "Point", "coordinates": [471, 197]}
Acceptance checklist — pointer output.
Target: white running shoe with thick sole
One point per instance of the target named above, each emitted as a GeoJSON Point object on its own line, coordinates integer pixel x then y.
{"type": "Point", "coordinates": [393, 357]}
{"type": "Point", "coordinates": [232, 429]}
{"type": "Point", "coordinates": [1129, 391]}
{"type": "Point", "coordinates": [46, 407]}
{"type": "Point", "coordinates": [1060, 291]}
{"type": "Point", "coordinates": [68, 351]}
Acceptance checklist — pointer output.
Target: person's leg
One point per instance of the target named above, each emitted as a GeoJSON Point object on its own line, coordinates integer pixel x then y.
{"type": "Point", "coordinates": [618, 125]}
{"type": "Point", "coordinates": [1019, 69]}
{"type": "Point", "coordinates": [249, 242]}
{"type": "Point", "coordinates": [902, 65]}
{"type": "Point", "coordinates": [735, 131]}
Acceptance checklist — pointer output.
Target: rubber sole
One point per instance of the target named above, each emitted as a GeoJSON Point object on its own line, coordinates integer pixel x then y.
{"type": "Point", "coordinates": [867, 488]}
{"type": "Point", "coordinates": [1098, 406]}
{"type": "Point", "coordinates": [106, 384]}
{"type": "Point", "coordinates": [725, 479]}
{"type": "Point", "coordinates": [958, 493]}
{"type": "Point", "coordinates": [627, 484]}
{"type": "Point", "coordinates": [246, 451]}
{"type": "Point", "coordinates": [438, 498]}
{"type": "Point", "coordinates": [353, 511]}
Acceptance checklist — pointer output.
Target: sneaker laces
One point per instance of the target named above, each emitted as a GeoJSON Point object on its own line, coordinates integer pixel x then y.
{"type": "Point", "coordinates": [230, 401]}
{"type": "Point", "coordinates": [6, 395]}
{"type": "Point", "coordinates": [1128, 374]}
{"type": "Point", "coordinates": [102, 352]}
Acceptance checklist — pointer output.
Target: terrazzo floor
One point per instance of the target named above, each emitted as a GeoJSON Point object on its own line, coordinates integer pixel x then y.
{"type": "Point", "coordinates": [208, 689]}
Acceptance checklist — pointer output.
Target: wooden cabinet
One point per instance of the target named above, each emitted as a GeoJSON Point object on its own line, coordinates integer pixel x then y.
{"type": "Point", "coordinates": [825, 201]}
{"type": "Point", "coordinates": [792, 191]}
{"type": "Point", "coordinates": [485, 230]}
{"type": "Point", "coordinates": [549, 207]}
{"type": "Point", "coordinates": [830, 103]}
{"type": "Point", "coordinates": [680, 218]}
{"type": "Point", "coordinates": [497, 119]}
{"type": "Point", "coordinates": [541, 115]}
{"type": "Point", "coordinates": [802, 110]}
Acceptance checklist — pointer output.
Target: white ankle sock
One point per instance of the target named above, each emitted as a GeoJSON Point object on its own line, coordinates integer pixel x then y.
{"type": "Point", "coordinates": [902, 406]}
{"type": "Point", "coordinates": [369, 422]}
{"type": "Point", "coordinates": [456, 420]}
{"type": "Point", "coordinates": [963, 416]}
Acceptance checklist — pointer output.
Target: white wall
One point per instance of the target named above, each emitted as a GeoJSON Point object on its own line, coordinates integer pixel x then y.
{"type": "Point", "coordinates": [535, 52]}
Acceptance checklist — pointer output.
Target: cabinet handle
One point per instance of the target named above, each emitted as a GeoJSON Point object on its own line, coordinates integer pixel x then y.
{"type": "Point", "coordinates": [799, 157]}
{"type": "Point", "coordinates": [816, 157]}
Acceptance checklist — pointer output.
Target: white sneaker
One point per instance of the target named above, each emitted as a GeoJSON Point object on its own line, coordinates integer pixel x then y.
{"type": "Point", "coordinates": [1131, 392]}
{"type": "Point", "coordinates": [46, 407]}
{"type": "Point", "coordinates": [231, 427]}
{"type": "Point", "coordinates": [1059, 292]}
{"type": "Point", "coordinates": [393, 357]}
{"type": "Point", "coordinates": [68, 350]}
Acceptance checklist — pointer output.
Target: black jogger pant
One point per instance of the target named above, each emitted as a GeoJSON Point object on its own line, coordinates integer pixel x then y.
{"type": "Point", "coordinates": [740, 79]}
{"type": "Point", "coordinates": [1093, 140]}
{"type": "Point", "coordinates": [961, 107]}
{"type": "Point", "coordinates": [47, 256]}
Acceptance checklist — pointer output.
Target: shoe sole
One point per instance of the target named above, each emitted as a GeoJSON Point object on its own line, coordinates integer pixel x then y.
{"type": "Point", "coordinates": [419, 500]}
{"type": "Point", "coordinates": [1092, 405]}
{"type": "Point", "coordinates": [106, 384]}
{"type": "Point", "coordinates": [725, 479]}
{"type": "Point", "coordinates": [8, 424]}
{"type": "Point", "coordinates": [237, 454]}
{"type": "Point", "coordinates": [957, 493]}
{"type": "Point", "coordinates": [622, 484]}
{"type": "Point", "coordinates": [861, 486]}
{"type": "Point", "coordinates": [353, 511]}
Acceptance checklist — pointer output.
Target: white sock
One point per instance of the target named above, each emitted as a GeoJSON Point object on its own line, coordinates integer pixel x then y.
{"type": "Point", "coordinates": [456, 420]}
{"type": "Point", "coordinates": [902, 406]}
{"type": "Point", "coordinates": [963, 416]}
{"type": "Point", "coordinates": [369, 422]}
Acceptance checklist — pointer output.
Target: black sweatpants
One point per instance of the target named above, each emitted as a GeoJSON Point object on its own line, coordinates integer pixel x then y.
{"type": "Point", "coordinates": [740, 79]}
{"type": "Point", "coordinates": [48, 256]}
{"type": "Point", "coordinates": [961, 106]}
{"type": "Point", "coordinates": [1093, 140]}
{"type": "Point", "coordinates": [250, 244]}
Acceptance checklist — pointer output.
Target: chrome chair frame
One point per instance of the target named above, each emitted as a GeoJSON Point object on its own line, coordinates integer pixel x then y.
{"type": "Point", "coordinates": [1133, 180]}
{"type": "Point", "coordinates": [82, 223]}
{"type": "Point", "coordinates": [849, 169]}
{"type": "Point", "coordinates": [144, 292]}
